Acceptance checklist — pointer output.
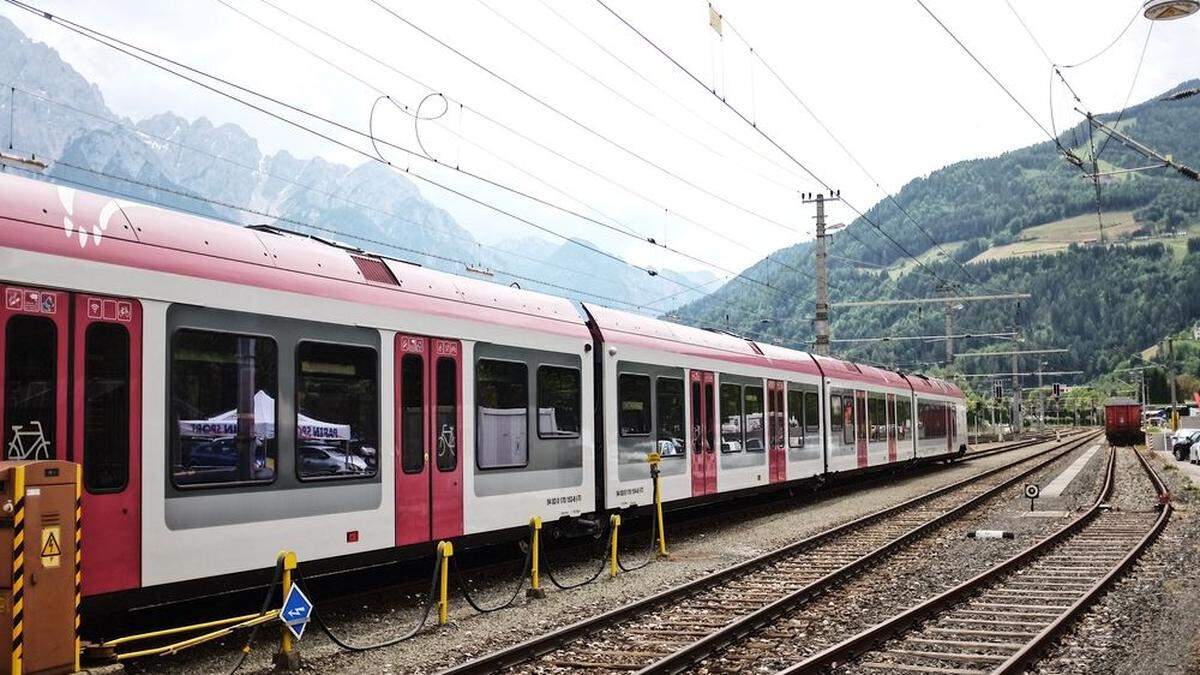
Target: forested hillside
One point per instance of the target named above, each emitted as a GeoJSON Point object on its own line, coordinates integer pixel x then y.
{"type": "Point", "coordinates": [1104, 302]}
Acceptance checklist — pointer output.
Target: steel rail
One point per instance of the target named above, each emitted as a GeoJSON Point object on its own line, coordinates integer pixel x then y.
{"type": "Point", "coordinates": [848, 650]}
{"type": "Point", "coordinates": [541, 645]}
{"type": "Point", "coordinates": [687, 657]}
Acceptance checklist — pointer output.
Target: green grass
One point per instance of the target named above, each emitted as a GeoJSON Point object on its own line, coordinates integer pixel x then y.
{"type": "Point", "coordinates": [1058, 235]}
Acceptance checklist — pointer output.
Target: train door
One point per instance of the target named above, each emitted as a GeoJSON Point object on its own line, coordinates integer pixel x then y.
{"type": "Point", "coordinates": [776, 461]}
{"type": "Point", "coordinates": [428, 444]}
{"type": "Point", "coordinates": [704, 457]}
{"type": "Point", "coordinates": [891, 427]}
{"type": "Point", "coordinates": [106, 437]}
{"type": "Point", "coordinates": [860, 415]}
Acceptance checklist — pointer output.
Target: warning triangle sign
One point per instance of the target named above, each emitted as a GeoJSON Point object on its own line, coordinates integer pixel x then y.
{"type": "Point", "coordinates": [51, 548]}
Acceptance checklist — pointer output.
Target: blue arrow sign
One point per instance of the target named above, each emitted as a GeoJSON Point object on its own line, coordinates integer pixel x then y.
{"type": "Point", "coordinates": [296, 611]}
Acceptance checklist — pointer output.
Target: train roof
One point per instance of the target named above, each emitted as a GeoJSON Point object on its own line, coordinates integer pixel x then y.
{"type": "Point", "coordinates": [626, 328]}
{"type": "Point", "coordinates": [132, 234]}
{"type": "Point", "coordinates": [924, 384]}
{"type": "Point", "coordinates": [1120, 400]}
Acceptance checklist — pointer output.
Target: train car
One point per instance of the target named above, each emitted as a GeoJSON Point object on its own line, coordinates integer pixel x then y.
{"type": "Point", "coordinates": [233, 391]}
{"type": "Point", "coordinates": [941, 413]}
{"type": "Point", "coordinates": [1123, 421]}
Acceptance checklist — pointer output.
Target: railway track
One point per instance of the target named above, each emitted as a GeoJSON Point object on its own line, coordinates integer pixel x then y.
{"type": "Point", "coordinates": [1002, 620]}
{"type": "Point", "coordinates": [679, 625]}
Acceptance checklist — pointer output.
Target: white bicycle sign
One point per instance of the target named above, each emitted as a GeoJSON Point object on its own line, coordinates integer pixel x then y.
{"type": "Point", "coordinates": [29, 444]}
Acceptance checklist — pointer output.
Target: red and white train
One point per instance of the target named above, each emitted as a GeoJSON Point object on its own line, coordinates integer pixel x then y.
{"type": "Point", "coordinates": [233, 391]}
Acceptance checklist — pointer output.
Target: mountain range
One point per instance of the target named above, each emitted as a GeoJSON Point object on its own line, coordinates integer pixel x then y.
{"type": "Point", "coordinates": [219, 171]}
{"type": "Point", "coordinates": [1024, 221]}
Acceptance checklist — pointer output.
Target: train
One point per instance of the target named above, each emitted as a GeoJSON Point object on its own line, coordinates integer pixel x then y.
{"type": "Point", "coordinates": [1123, 421]}
{"type": "Point", "coordinates": [233, 391]}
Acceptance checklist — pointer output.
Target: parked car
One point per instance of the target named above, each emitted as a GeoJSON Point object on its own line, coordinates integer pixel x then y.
{"type": "Point", "coordinates": [326, 460]}
{"type": "Point", "coordinates": [1181, 443]}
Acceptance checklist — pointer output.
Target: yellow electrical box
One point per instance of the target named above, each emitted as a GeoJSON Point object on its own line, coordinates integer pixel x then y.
{"type": "Point", "coordinates": [39, 567]}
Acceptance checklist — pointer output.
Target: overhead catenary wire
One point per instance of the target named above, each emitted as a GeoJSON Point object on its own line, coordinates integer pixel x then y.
{"type": "Point", "coordinates": [462, 106]}
{"type": "Point", "coordinates": [331, 195]}
{"type": "Point", "coordinates": [149, 57]}
{"type": "Point", "coordinates": [298, 223]}
{"type": "Point", "coordinates": [758, 129]}
{"type": "Point", "coordinates": [574, 121]}
{"type": "Point", "coordinates": [993, 77]}
{"type": "Point", "coordinates": [620, 95]}
{"type": "Point", "coordinates": [757, 55]}
{"type": "Point", "coordinates": [662, 90]}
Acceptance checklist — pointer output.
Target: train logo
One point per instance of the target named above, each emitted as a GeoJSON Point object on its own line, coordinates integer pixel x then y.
{"type": "Point", "coordinates": [66, 197]}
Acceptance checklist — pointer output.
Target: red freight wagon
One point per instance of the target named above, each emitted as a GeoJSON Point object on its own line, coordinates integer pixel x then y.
{"type": "Point", "coordinates": [1123, 421]}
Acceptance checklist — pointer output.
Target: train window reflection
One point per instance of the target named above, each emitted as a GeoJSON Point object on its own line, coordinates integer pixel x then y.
{"type": "Point", "coordinates": [223, 391]}
{"type": "Point", "coordinates": [795, 412]}
{"type": "Point", "coordinates": [903, 418]}
{"type": "Point", "coordinates": [502, 391]}
{"type": "Point", "coordinates": [731, 419]}
{"type": "Point", "coordinates": [633, 400]}
{"type": "Point", "coordinates": [754, 420]}
{"type": "Point", "coordinates": [337, 403]}
{"type": "Point", "coordinates": [877, 417]}
{"type": "Point", "coordinates": [559, 397]}
{"type": "Point", "coordinates": [669, 401]}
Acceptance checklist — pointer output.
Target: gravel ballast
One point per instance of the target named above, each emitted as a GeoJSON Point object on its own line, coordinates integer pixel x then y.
{"type": "Point", "coordinates": [696, 553]}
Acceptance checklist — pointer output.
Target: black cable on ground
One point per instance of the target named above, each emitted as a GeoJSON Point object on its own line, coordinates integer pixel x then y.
{"type": "Point", "coordinates": [462, 586]}
{"type": "Point", "coordinates": [585, 582]}
{"type": "Point", "coordinates": [424, 618]}
{"type": "Point", "coordinates": [266, 606]}
{"type": "Point", "coordinates": [653, 539]}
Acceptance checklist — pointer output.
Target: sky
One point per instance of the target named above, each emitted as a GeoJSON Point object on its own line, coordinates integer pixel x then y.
{"type": "Point", "coordinates": [570, 106]}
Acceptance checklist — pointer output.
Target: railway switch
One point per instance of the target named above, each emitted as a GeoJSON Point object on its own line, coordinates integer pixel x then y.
{"type": "Point", "coordinates": [39, 554]}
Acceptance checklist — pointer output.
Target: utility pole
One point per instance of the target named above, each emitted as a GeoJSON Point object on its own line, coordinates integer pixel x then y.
{"type": "Point", "coordinates": [1171, 371]}
{"type": "Point", "coordinates": [1016, 378]}
{"type": "Point", "coordinates": [821, 317]}
{"type": "Point", "coordinates": [949, 333]}
{"type": "Point", "coordinates": [1041, 399]}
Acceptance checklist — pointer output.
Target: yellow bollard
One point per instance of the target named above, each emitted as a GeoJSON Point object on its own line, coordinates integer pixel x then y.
{"type": "Point", "coordinates": [444, 550]}
{"type": "Point", "coordinates": [615, 520]}
{"type": "Point", "coordinates": [288, 657]}
{"type": "Point", "coordinates": [535, 544]}
{"type": "Point", "coordinates": [654, 458]}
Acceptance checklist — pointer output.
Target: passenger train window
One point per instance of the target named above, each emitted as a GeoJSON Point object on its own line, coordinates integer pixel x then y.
{"type": "Point", "coordinates": [30, 375]}
{"type": "Point", "coordinates": [795, 412]}
{"type": "Point", "coordinates": [697, 413]}
{"type": "Point", "coordinates": [812, 413]}
{"type": "Point", "coordinates": [105, 408]}
{"type": "Point", "coordinates": [412, 413]}
{"type": "Point", "coordinates": [669, 400]}
{"type": "Point", "coordinates": [633, 400]}
{"type": "Point", "coordinates": [931, 420]}
{"type": "Point", "coordinates": [447, 415]}
{"type": "Point", "coordinates": [848, 420]}
{"type": "Point", "coordinates": [337, 404]}
{"type": "Point", "coordinates": [502, 422]}
{"type": "Point", "coordinates": [731, 418]}
{"type": "Point", "coordinates": [877, 417]}
{"type": "Point", "coordinates": [223, 415]}
{"type": "Point", "coordinates": [559, 395]}
{"type": "Point", "coordinates": [754, 422]}
{"type": "Point", "coordinates": [903, 418]}
{"type": "Point", "coordinates": [836, 420]}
